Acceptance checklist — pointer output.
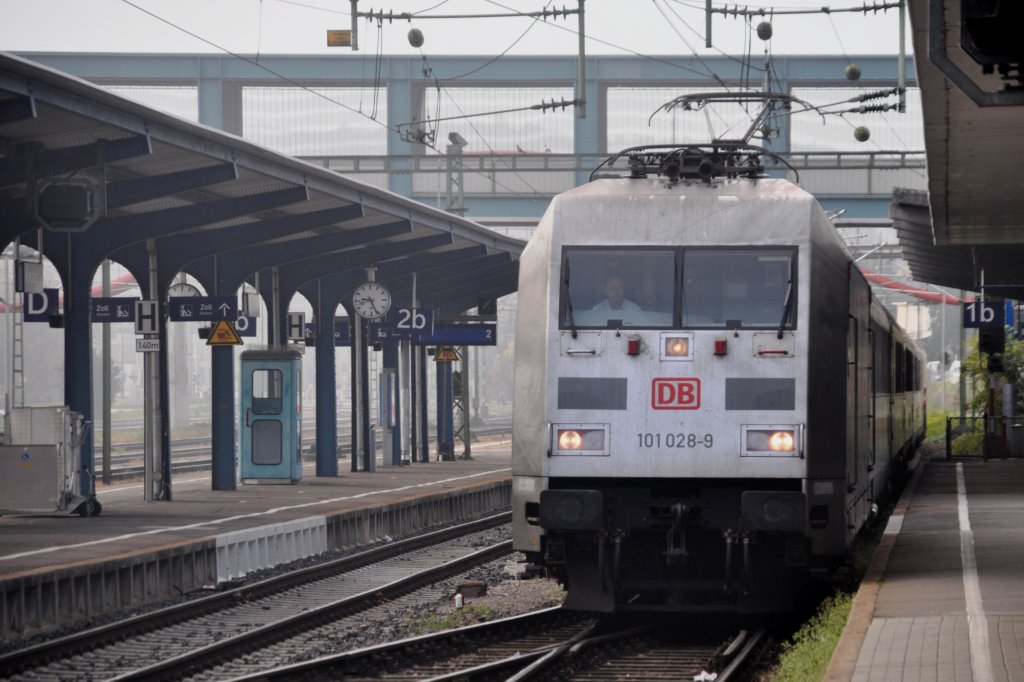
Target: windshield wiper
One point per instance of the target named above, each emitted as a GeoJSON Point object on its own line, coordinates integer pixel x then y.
{"type": "Point", "coordinates": [789, 301]}
{"type": "Point", "coordinates": [568, 300]}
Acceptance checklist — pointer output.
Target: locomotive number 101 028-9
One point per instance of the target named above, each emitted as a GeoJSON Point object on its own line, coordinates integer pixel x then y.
{"type": "Point", "coordinates": [675, 440]}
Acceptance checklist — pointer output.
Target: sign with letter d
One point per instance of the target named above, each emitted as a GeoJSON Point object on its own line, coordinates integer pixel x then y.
{"type": "Point", "coordinates": [39, 307]}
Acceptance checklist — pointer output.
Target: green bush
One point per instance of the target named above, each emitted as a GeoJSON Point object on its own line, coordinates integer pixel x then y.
{"type": "Point", "coordinates": [968, 444]}
{"type": "Point", "coordinates": [935, 427]}
{"type": "Point", "coordinates": [806, 656]}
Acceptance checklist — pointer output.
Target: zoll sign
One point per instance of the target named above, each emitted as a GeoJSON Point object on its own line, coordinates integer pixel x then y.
{"type": "Point", "coordinates": [675, 393]}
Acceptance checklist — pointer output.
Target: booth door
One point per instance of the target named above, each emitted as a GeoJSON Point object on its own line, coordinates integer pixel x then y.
{"type": "Point", "coordinates": [267, 423]}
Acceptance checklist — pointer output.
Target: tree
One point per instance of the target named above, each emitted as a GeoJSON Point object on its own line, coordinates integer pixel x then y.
{"type": "Point", "coordinates": [975, 366]}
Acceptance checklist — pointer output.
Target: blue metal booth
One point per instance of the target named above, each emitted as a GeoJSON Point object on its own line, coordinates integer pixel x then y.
{"type": "Point", "coordinates": [270, 417]}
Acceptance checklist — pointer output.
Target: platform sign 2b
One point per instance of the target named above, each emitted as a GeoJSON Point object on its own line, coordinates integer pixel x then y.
{"type": "Point", "coordinates": [411, 323]}
{"type": "Point", "coordinates": [987, 313]}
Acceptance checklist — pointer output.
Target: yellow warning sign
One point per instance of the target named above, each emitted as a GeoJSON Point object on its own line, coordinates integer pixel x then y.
{"type": "Point", "coordinates": [446, 354]}
{"type": "Point", "coordinates": [339, 38]}
{"type": "Point", "coordinates": [223, 334]}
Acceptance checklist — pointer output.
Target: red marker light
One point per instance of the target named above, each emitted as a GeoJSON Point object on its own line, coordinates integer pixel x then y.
{"type": "Point", "coordinates": [633, 346]}
{"type": "Point", "coordinates": [720, 347]}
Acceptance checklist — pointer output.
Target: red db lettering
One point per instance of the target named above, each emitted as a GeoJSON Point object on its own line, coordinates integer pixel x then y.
{"type": "Point", "coordinates": [675, 394]}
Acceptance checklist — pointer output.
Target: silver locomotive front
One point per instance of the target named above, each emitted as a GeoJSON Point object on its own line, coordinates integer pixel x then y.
{"type": "Point", "coordinates": [661, 391]}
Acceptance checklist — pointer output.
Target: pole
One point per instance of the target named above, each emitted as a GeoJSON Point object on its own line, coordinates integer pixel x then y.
{"type": "Point", "coordinates": [107, 411]}
{"type": "Point", "coordinates": [902, 59]}
{"type": "Point", "coordinates": [359, 355]}
{"type": "Point", "coordinates": [581, 88]}
{"type": "Point", "coordinates": [424, 406]}
{"type": "Point", "coordinates": [275, 319]}
{"type": "Point", "coordinates": [355, 24]}
{"type": "Point", "coordinates": [963, 386]}
{"type": "Point", "coordinates": [942, 353]}
{"type": "Point", "coordinates": [467, 433]}
{"type": "Point", "coordinates": [707, 24]}
{"type": "Point", "coordinates": [153, 456]}
{"type": "Point", "coordinates": [476, 383]}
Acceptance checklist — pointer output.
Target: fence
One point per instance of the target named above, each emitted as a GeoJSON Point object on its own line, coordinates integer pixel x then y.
{"type": "Point", "coordinates": [984, 437]}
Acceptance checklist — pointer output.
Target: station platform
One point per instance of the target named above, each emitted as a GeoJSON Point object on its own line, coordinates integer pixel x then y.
{"type": "Point", "coordinates": [943, 597]}
{"type": "Point", "coordinates": [59, 570]}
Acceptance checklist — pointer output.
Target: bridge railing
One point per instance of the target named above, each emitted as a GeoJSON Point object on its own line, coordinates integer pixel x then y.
{"type": "Point", "coordinates": [842, 173]}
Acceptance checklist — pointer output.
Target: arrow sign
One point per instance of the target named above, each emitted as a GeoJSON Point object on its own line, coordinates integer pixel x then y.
{"type": "Point", "coordinates": [461, 335]}
{"type": "Point", "coordinates": [202, 308]}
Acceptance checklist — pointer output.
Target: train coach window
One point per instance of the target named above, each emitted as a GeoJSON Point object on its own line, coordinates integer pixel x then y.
{"type": "Point", "coordinates": [615, 287]}
{"type": "Point", "coordinates": [742, 288]}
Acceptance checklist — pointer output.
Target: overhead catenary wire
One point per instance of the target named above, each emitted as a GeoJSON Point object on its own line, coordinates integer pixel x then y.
{"type": "Point", "coordinates": [302, 86]}
{"type": "Point", "coordinates": [500, 54]}
{"type": "Point", "coordinates": [255, 63]}
{"type": "Point", "coordinates": [761, 11]}
{"type": "Point", "coordinates": [700, 36]}
{"type": "Point", "coordinates": [696, 56]}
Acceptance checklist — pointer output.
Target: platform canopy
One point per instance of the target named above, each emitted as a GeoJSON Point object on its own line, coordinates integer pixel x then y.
{"type": "Point", "coordinates": [199, 191]}
{"type": "Point", "coordinates": [972, 219]}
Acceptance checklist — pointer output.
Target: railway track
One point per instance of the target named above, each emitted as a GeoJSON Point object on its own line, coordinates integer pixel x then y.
{"type": "Point", "coordinates": [193, 454]}
{"type": "Point", "coordinates": [551, 644]}
{"type": "Point", "coordinates": [177, 641]}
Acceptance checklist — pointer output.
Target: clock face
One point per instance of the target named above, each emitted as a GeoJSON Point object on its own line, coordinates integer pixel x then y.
{"type": "Point", "coordinates": [182, 289]}
{"type": "Point", "coordinates": [371, 300]}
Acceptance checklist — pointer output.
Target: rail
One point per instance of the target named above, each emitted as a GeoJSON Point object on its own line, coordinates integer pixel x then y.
{"type": "Point", "coordinates": [125, 630]}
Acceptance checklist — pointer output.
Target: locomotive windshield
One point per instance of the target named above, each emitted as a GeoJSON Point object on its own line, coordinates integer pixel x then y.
{"type": "Point", "coordinates": [721, 288]}
{"type": "Point", "coordinates": [739, 288]}
{"type": "Point", "coordinates": [611, 288]}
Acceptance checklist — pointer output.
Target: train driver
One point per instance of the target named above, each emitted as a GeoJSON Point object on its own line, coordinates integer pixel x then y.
{"type": "Point", "coordinates": [615, 296]}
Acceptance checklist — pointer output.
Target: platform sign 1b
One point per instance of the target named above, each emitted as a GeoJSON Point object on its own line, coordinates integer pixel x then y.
{"type": "Point", "coordinates": [988, 313]}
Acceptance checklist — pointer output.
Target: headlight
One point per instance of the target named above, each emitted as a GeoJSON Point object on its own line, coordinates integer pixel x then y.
{"type": "Point", "coordinates": [781, 441]}
{"type": "Point", "coordinates": [767, 440]}
{"type": "Point", "coordinates": [676, 346]}
{"type": "Point", "coordinates": [569, 440]}
{"type": "Point", "coordinates": [580, 439]}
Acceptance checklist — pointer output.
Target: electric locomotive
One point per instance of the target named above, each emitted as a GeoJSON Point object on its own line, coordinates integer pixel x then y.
{"type": "Point", "coordinates": [708, 402]}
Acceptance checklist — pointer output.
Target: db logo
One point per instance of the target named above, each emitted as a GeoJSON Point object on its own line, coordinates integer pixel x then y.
{"type": "Point", "coordinates": [675, 394]}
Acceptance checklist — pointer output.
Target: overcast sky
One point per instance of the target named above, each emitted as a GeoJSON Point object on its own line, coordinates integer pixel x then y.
{"type": "Point", "coordinates": [662, 27]}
